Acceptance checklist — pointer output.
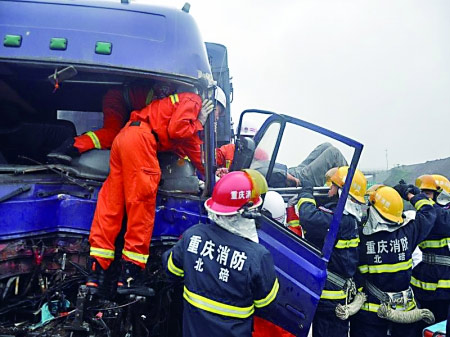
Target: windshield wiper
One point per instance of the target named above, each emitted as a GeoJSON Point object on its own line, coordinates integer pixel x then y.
{"type": "Point", "coordinates": [62, 173]}
{"type": "Point", "coordinates": [17, 191]}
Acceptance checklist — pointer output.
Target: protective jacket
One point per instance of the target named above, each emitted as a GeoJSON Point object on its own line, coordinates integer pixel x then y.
{"type": "Point", "coordinates": [225, 155]}
{"type": "Point", "coordinates": [134, 175]}
{"type": "Point", "coordinates": [174, 121]}
{"type": "Point", "coordinates": [315, 222]}
{"type": "Point", "coordinates": [386, 260]}
{"type": "Point", "coordinates": [225, 278]}
{"type": "Point", "coordinates": [339, 286]}
{"type": "Point", "coordinates": [431, 278]}
{"type": "Point", "coordinates": [292, 221]}
{"type": "Point", "coordinates": [117, 106]}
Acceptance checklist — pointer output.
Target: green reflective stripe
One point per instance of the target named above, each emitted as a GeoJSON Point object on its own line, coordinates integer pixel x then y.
{"type": "Point", "coordinates": [174, 98]}
{"type": "Point", "coordinates": [430, 286]}
{"type": "Point", "coordinates": [294, 223]}
{"type": "Point", "coordinates": [142, 258]}
{"type": "Point", "coordinates": [302, 200]}
{"type": "Point", "coordinates": [215, 307]}
{"type": "Point", "coordinates": [385, 268]}
{"type": "Point", "coordinates": [445, 242]}
{"type": "Point", "coordinates": [173, 268]}
{"type": "Point", "coordinates": [353, 243]}
{"type": "Point", "coordinates": [270, 297]}
{"type": "Point", "coordinates": [94, 139]}
{"type": "Point", "coordinates": [373, 307]}
{"type": "Point", "coordinates": [100, 252]}
{"type": "Point", "coordinates": [333, 295]}
{"type": "Point", "coordinates": [418, 205]}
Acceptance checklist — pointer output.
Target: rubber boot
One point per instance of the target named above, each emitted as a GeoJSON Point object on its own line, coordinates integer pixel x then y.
{"type": "Point", "coordinates": [131, 275]}
{"type": "Point", "coordinates": [96, 277]}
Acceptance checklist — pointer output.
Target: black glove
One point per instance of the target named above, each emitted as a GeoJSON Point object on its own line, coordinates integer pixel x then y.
{"type": "Point", "coordinates": [64, 153]}
{"type": "Point", "coordinates": [307, 186]}
{"type": "Point", "coordinates": [404, 190]}
{"type": "Point", "coordinates": [413, 190]}
{"type": "Point", "coordinates": [401, 189]}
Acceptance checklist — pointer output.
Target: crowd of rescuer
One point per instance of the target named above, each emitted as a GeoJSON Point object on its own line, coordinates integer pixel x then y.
{"type": "Point", "coordinates": [166, 124]}
{"type": "Point", "coordinates": [227, 273]}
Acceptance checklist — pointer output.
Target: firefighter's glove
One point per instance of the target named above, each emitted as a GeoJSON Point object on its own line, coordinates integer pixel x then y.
{"type": "Point", "coordinates": [413, 190]}
{"type": "Point", "coordinates": [307, 186]}
{"type": "Point", "coordinates": [402, 190]}
{"type": "Point", "coordinates": [293, 201]}
{"type": "Point", "coordinates": [207, 107]}
{"type": "Point", "coordinates": [405, 317]}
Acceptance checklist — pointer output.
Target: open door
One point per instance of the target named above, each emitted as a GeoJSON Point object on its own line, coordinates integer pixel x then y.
{"type": "Point", "coordinates": [284, 144]}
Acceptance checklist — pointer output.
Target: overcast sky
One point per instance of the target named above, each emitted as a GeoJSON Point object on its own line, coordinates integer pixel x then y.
{"type": "Point", "coordinates": [375, 71]}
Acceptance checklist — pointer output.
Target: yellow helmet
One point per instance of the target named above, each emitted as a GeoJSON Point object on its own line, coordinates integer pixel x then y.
{"type": "Point", "coordinates": [442, 182]}
{"type": "Point", "coordinates": [388, 203]}
{"type": "Point", "coordinates": [371, 190]}
{"type": "Point", "coordinates": [337, 176]}
{"type": "Point", "coordinates": [426, 182]}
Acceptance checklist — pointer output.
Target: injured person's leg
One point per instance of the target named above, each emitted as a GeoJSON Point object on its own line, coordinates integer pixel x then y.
{"type": "Point", "coordinates": [319, 161]}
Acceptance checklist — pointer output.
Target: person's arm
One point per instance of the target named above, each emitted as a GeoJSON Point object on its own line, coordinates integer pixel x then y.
{"type": "Point", "coordinates": [225, 155]}
{"type": "Point", "coordinates": [114, 114]}
{"type": "Point", "coordinates": [425, 216]}
{"type": "Point", "coordinates": [173, 260]}
{"type": "Point", "coordinates": [314, 221]}
{"type": "Point", "coordinates": [191, 148]}
{"type": "Point", "coordinates": [184, 122]}
{"type": "Point", "coordinates": [264, 282]}
{"type": "Point", "coordinates": [292, 181]}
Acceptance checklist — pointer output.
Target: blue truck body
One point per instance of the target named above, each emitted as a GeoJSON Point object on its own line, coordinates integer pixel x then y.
{"type": "Point", "coordinates": [109, 43]}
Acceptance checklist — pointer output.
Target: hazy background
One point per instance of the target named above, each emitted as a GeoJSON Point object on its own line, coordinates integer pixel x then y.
{"type": "Point", "coordinates": [375, 71]}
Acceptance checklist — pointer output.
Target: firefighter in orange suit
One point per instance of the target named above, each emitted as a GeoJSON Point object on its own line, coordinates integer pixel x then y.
{"type": "Point", "coordinates": [117, 105]}
{"type": "Point", "coordinates": [169, 124]}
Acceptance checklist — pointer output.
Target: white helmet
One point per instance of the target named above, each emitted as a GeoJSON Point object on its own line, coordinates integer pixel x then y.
{"type": "Point", "coordinates": [248, 128]}
{"type": "Point", "coordinates": [274, 203]}
{"type": "Point", "coordinates": [220, 97]}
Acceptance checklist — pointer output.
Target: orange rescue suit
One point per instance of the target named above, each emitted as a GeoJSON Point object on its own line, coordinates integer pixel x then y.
{"type": "Point", "coordinates": [225, 155]}
{"type": "Point", "coordinates": [115, 115]}
{"type": "Point", "coordinates": [169, 124]}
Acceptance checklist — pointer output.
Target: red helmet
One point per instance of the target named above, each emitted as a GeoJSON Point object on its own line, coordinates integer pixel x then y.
{"type": "Point", "coordinates": [235, 190]}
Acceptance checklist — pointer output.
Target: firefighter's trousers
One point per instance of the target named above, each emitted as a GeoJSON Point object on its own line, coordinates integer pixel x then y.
{"type": "Point", "coordinates": [132, 184]}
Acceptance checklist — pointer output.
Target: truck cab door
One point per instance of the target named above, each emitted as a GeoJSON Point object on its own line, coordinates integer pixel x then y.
{"type": "Point", "coordinates": [284, 142]}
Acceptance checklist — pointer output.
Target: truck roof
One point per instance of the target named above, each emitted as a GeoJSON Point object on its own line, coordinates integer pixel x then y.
{"type": "Point", "coordinates": [160, 40]}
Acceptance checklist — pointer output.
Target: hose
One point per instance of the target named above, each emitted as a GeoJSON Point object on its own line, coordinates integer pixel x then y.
{"type": "Point", "coordinates": [405, 317]}
{"type": "Point", "coordinates": [345, 311]}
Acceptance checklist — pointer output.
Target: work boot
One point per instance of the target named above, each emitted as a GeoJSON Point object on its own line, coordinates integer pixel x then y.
{"type": "Point", "coordinates": [96, 277]}
{"type": "Point", "coordinates": [64, 153]}
{"type": "Point", "coordinates": [131, 275]}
